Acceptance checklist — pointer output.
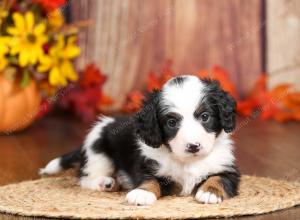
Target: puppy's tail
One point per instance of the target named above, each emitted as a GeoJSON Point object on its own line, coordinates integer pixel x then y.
{"type": "Point", "coordinates": [64, 162]}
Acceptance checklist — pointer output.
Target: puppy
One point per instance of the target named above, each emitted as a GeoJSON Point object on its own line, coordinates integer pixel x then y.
{"type": "Point", "coordinates": [179, 140]}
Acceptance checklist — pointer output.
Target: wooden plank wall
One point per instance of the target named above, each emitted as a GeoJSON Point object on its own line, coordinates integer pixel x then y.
{"type": "Point", "coordinates": [132, 37]}
{"type": "Point", "coordinates": [283, 47]}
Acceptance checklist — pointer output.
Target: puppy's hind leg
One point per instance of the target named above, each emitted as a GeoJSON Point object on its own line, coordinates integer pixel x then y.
{"type": "Point", "coordinates": [96, 173]}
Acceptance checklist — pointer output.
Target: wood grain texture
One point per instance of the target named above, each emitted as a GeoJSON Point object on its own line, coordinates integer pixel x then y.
{"type": "Point", "coordinates": [131, 37]}
{"type": "Point", "coordinates": [283, 48]}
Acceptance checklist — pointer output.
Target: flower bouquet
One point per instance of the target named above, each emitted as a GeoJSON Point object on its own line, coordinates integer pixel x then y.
{"type": "Point", "coordinates": [37, 50]}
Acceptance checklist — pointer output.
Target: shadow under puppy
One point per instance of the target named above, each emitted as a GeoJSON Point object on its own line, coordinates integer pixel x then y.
{"type": "Point", "coordinates": [180, 139]}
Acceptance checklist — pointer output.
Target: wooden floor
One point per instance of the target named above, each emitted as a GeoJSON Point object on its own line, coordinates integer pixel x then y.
{"type": "Point", "coordinates": [262, 148]}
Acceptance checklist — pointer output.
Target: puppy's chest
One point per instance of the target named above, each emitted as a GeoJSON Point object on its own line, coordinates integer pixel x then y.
{"type": "Point", "coordinates": [188, 176]}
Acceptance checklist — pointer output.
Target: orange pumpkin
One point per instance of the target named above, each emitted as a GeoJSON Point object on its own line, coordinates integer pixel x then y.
{"type": "Point", "coordinates": [18, 107]}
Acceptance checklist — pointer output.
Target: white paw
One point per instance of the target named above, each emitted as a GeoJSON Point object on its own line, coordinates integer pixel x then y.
{"type": "Point", "coordinates": [102, 183]}
{"type": "Point", "coordinates": [140, 197]}
{"type": "Point", "coordinates": [107, 183]}
{"type": "Point", "coordinates": [207, 197]}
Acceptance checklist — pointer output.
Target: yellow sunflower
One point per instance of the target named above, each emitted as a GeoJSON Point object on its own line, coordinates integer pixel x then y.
{"type": "Point", "coordinates": [27, 38]}
{"type": "Point", "coordinates": [3, 51]}
{"type": "Point", "coordinates": [58, 61]}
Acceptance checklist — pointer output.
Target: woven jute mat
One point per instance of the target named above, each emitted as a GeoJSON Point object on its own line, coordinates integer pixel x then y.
{"type": "Point", "coordinates": [61, 197]}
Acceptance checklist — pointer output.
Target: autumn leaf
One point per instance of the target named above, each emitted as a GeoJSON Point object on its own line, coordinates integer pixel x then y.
{"type": "Point", "coordinates": [282, 103]}
{"type": "Point", "coordinates": [92, 76]}
{"type": "Point", "coordinates": [104, 101]}
{"type": "Point", "coordinates": [153, 82]}
{"type": "Point", "coordinates": [157, 80]}
{"type": "Point", "coordinates": [86, 98]}
{"type": "Point", "coordinates": [133, 102]}
{"type": "Point", "coordinates": [222, 76]}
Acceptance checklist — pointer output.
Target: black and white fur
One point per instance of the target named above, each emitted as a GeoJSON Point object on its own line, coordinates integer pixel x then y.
{"type": "Point", "coordinates": [181, 136]}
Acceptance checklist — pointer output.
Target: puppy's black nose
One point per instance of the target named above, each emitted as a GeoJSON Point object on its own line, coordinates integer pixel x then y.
{"type": "Point", "coordinates": [193, 148]}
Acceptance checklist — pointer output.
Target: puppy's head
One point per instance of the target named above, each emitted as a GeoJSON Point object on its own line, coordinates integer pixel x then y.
{"type": "Point", "coordinates": [186, 116]}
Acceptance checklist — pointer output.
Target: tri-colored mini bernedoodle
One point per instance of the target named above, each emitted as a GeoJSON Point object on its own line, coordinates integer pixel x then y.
{"type": "Point", "coordinates": [179, 142]}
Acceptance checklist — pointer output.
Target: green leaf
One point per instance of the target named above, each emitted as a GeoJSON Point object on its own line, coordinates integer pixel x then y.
{"type": "Point", "coordinates": [13, 60]}
{"type": "Point", "coordinates": [25, 79]}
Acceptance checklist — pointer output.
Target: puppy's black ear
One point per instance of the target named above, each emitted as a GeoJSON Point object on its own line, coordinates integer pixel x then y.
{"type": "Point", "coordinates": [225, 103]}
{"type": "Point", "coordinates": [147, 122]}
{"type": "Point", "coordinates": [227, 111]}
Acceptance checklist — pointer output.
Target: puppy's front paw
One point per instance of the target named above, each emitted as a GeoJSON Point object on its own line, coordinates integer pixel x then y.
{"type": "Point", "coordinates": [211, 191]}
{"type": "Point", "coordinates": [207, 197]}
{"type": "Point", "coordinates": [140, 197]}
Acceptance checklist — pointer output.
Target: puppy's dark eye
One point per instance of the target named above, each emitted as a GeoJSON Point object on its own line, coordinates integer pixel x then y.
{"type": "Point", "coordinates": [204, 116]}
{"type": "Point", "coordinates": [172, 123]}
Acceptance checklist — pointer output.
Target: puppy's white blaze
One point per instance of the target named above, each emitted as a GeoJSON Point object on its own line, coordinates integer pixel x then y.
{"type": "Point", "coordinates": [194, 170]}
{"type": "Point", "coordinates": [185, 97]}
{"type": "Point", "coordinates": [140, 197]}
{"type": "Point", "coordinates": [191, 131]}
{"type": "Point", "coordinates": [52, 167]}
